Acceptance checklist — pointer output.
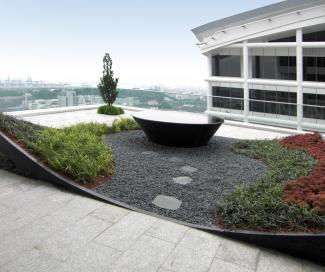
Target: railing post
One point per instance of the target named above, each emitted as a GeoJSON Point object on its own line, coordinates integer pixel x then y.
{"type": "Point", "coordinates": [209, 84]}
{"type": "Point", "coordinates": [300, 99]}
{"type": "Point", "coordinates": [245, 76]}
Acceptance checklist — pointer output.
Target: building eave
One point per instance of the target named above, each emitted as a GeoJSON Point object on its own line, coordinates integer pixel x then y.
{"type": "Point", "coordinates": [254, 15]}
{"type": "Point", "coordinates": [270, 25]}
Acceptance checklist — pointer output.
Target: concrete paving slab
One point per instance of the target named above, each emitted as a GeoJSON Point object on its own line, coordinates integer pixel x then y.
{"type": "Point", "coordinates": [76, 236]}
{"type": "Point", "coordinates": [147, 254]}
{"type": "Point", "coordinates": [125, 232]}
{"type": "Point", "coordinates": [219, 265]}
{"type": "Point", "coordinates": [32, 261]}
{"type": "Point", "coordinates": [272, 261]}
{"type": "Point", "coordinates": [194, 252]}
{"type": "Point", "coordinates": [238, 253]}
{"type": "Point", "coordinates": [91, 258]}
{"type": "Point", "coordinates": [110, 213]}
{"type": "Point", "coordinates": [167, 231]}
{"type": "Point", "coordinates": [5, 211]}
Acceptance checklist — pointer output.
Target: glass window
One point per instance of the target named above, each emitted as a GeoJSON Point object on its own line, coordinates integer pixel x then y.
{"type": "Point", "coordinates": [264, 101]}
{"type": "Point", "coordinates": [269, 106]}
{"type": "Point", "coordinates": [314, 64]}
{"type": "Point", "coordinates": [229, 98]}
{"type": "Point", "coordinates": [227, 66]}
{"type": "Point", "coordinates": [318, 36]}
{"type": "Point", "coordinates": [292, 108]}
{"type": "Point", "coordinates": [321, 69]}
{"type": "Point", "coordinates": [269, 63]}
{"type": "Point", "coordinates": [254, 103]}
{"type": "Point", "coordinates": [286, 39]}
{"type": "Point", "coordinates": [314, 106]}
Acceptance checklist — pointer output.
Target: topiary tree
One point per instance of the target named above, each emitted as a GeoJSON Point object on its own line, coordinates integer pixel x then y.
{"type": "Point", "coordinates": [108, 83]}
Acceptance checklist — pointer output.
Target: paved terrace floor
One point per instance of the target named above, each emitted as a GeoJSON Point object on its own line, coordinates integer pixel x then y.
{"type": "Point", "coordinates": [45, 228]}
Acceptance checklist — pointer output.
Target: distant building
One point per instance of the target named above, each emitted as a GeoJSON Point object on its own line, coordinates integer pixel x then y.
{"type": "Point", "coordinates": [42, 104]}
{"type": "Point", "coordinates": [128, 101]}
{"type": "Point", "coordinates": [67, 98]}
{"type": "Point", "coordinates": [153, 102]}
{"type": "Point", "coordinates": [96, 99]}
{"type": "Point", "coordinates": [268, 65]}
{"type": "Point", "coordinates": [81, 100]}
{"type": "Point", "coordinates": [26, 100]}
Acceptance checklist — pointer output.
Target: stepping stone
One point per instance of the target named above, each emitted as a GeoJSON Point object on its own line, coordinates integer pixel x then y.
{"type": "Point", "coordinates": [182, 180]}
{"type": "Point", "coordinates": [188, 169]}
{"type": "Point", "coordinates": [176, 159]}
{"type": "Point", "coordinates": [150, 153]}
{"type": "Point", "coordinates": [167, 202]}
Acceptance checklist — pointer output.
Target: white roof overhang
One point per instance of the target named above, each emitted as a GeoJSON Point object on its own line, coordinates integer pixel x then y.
{"type": "Point", "coordinates": [213, 36]}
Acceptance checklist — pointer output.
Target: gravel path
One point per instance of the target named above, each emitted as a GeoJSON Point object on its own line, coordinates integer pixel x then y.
{"type": "Point", "coordinates": [145, 170]}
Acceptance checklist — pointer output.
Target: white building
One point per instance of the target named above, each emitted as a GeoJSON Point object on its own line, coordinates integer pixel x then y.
{"type": "Point", "coordinates": [268, 65]}
{"type": "Point", "coordinates": [67, 98]}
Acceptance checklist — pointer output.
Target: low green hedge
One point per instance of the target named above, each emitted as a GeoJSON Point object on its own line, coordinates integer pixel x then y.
{"type": "Point", "coordinates": [25, 132]}
{"type": "Point", "coordinates": [77, 151]}
{"type": "Point", "coordinates": [97, 129]}
{"type": "Point", "coordinates": [259, 205]}
{"type": "Point", "coordinates": [123, 124]}
{"type": "Point", "coordinates": [110, 110]}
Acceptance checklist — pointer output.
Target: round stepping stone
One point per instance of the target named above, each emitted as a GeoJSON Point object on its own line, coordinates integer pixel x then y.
{"type": "Point", "coordinates": [188, 169]}
{"type": "Point", "coordinates": [175, 159]}
{"type": "Point", "coordinates": [167, 202]}
{"type": "Point", "coordinates": [150, 153]}
{"type": "Point", "coordinates": [182, 180]}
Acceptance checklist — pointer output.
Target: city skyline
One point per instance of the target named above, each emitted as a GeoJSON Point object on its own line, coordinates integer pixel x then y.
{"type": "Point", "coordinates": [150, 42]}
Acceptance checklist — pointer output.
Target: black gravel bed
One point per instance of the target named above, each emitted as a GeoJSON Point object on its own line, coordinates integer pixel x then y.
{"type": "Point", "coordinates": [145, 170]}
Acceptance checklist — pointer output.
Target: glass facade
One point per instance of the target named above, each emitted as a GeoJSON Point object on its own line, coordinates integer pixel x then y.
{"type": "Point", "coordinates": [314, 106]}
{"type": "Point", "coordinates": [228, 98]}
{"type": "Point", "coordinates": [273, 102]}
{"type": "Point", "coordinates": [286, 39]}
{"type": "Point", "coordinates": [226, 65]}
{"type": "Point", "coordinates": [274, 63]}
{"type": "Point", "coordinates": [318, 36]}
{"type": "Point", "coordinates": [270, 102]}
{"type": "Point", "coordinates": [314, 64]}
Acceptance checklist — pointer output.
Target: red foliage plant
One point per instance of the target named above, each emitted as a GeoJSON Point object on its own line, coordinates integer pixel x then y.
{"type": "Point", "coordinates": [308, 191]}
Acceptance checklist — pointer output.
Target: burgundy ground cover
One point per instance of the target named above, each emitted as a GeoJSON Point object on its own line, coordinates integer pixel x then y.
{"type": "Point", "coordinates": [308, 191]}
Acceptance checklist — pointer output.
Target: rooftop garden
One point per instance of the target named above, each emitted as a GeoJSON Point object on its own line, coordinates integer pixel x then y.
{"type": "Point", "coordinates": [287, 194]}
{"type": "Point", "coordinates": [270, 187]}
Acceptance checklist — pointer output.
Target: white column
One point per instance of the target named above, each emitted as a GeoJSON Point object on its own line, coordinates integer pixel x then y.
{"type": "Point", "coordinates": [246, 76]}
{"type": "Point", "coordinates": [299, 56]}
{"type": "Point", "coordinates": [209, 87]}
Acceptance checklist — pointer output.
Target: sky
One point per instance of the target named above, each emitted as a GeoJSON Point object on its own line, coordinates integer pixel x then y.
{"type": "Point", "coordinates": [150, 41]}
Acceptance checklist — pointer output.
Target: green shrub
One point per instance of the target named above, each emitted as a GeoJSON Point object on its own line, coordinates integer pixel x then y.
{"type": "Point", "coordinates": [97, 129]}
{"type": "Point", "coordinates": [110, 110]}
{"type": "Point", "coordinates": [123, 124]}
{"type": "Point", "coordinates": [259, 205]}
{"type": "Point", "coordinates": [76, 152]}
{"type": "Point", "coordinates": [25, 132]}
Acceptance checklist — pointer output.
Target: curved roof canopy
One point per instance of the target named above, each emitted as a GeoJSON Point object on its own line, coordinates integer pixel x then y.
{"type": "Point", "coordinates": [254, 15]}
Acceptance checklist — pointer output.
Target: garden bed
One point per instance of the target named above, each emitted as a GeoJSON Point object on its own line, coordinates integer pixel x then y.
{"type": "Point", "coordinates": [76, 152]}
{"type": "Point", "coordinates": [247, 190]}
{"type": "Point", "coordinates": [145, 170]}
